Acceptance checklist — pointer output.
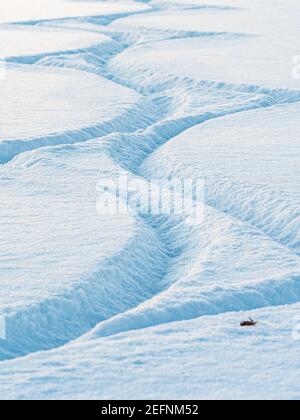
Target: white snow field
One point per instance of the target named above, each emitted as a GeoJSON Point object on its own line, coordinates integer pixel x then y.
{"type": "Point", "coordinates": [34, 11]}
{"type": "Point", "coordinates": [135, 304]}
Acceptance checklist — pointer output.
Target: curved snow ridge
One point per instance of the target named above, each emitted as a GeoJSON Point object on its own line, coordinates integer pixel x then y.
{"type": "Point", "coordinates": [132, 276]}
{"type": "Point", "coordinates": [99, 54]}
{"type": "Point", "coordinates": [250, 269]}
{"type": "Point", "coordinates": [175, 5]}
{"type": "Point", "coordinates": [183, 302]}
{"type": "Point", "coordinates": [95, 61]}
{"type": "Point", "coordinates": [245, 251]}
{"type": "Point", "coordinates": [144, 79]}
{"type": "Point", "coordinates": [104, 20]}
{"type": "Point", "coordinates": [264, 190]}
{"type": "Point", "coordinates": [139, 114]}
{"type": "Point", "coordinates": [26, 44]}
{"type": "Point", "coordinates": [271, 211]}
{"type": "Point", "coordinates": [135, 119]}
{"type": "Point", "coordinates": [85, 61]}
{"type": "Point", "coordinates": [119, 283]}
{"type": "Point", "coordinates": [178, 96]}
{"type": "Point", "coordinates": [129, 37]}
{"type": "Point", "coordinates": [15, 12]}
{"type": "Point", "coordinates": [170, 361]}
{"type": "Point", "coordinates": [131, 149]}
{"type": "Point", "coordinates": [179, 105]}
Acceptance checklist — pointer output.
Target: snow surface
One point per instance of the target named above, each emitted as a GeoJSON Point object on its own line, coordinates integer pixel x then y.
{"type": "Point", "coordinates": [36, 10]}
{"type": "Point", "coordinates": [209, 358]}
{"type": "Point", "coordinates": [42, 107]}
{"type": "Point", "coordinates": [62, 263]}
{"type": "Point", "coordinates": [36, 41]}
{"type": "Point", "coordinates": [137, 305]}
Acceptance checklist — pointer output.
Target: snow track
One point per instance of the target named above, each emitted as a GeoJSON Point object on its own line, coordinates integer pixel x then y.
{"type": "Point", "coordinates": [120, 97]}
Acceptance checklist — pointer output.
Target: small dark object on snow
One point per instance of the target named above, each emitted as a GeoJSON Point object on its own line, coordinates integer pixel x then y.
{"type": "Point", "coordinates": [249, 323]}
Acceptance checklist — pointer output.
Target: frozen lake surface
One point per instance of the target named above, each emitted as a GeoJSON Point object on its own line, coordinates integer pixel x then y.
{"type": "Point", "coordinates": [129, 303]}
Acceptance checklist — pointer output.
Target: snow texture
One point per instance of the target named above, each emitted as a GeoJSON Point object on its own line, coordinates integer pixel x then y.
{"type": "Point", "coordinates": [135, 304]}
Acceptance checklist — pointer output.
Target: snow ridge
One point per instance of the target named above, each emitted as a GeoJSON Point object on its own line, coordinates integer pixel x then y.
{"type": "Point", "coordinates": [130, 277]}
{"type": "Point", "coordinates": [168, 271]}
